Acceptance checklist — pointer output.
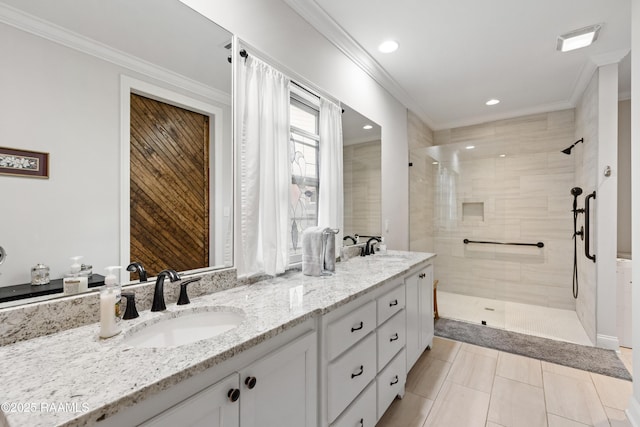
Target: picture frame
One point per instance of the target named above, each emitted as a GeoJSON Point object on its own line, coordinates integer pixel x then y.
{"type": "Point", "coordinates": [26, 163]}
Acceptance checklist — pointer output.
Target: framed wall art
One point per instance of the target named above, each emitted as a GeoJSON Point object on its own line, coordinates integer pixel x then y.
{"type": "Point", "coordinates": [24, 163]}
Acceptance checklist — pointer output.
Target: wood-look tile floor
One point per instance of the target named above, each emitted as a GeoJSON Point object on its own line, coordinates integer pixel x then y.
{"type": "Point", "coordinates": [461, 385]}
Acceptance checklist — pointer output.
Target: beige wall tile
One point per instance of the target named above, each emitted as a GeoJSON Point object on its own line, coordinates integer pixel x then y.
{"type": "Point", "coordinates": [519, 368]}
{"type": "Point", "coordinates": [574, 399]}
{"type": "Point", "coordinates": [459, 406]}
{"type": "Point", "coordinates": [515, 403]}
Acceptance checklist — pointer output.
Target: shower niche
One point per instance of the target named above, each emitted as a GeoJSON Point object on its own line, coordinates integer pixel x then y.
{"type": "Point", "coordinates": [473, 211]}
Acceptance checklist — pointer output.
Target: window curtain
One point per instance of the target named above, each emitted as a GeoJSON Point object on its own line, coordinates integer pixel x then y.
{"type": "Point", "coordinates": [264, 172]}
{"type": "Point", "coordinates": [331, 191]}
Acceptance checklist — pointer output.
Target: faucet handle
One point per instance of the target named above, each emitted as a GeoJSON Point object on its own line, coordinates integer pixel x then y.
{"type": "Point", "coordinates": [130, 312]}
{"type": "Point", "coordinates": [184, 298]}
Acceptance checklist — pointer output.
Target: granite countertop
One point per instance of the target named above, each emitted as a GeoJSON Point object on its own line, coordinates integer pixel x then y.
{"type": "Point", "coordinates": [77, 369]}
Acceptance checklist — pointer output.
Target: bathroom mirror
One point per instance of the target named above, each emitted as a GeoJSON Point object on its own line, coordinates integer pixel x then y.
{"type": "Point", "coordinates": [70, 69]}
{"type": "Point", "coordinates": [362, 174]}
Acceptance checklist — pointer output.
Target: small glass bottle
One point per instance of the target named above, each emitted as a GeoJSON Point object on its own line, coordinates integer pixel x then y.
{"type": "Point", "coordinates": [40, 274]}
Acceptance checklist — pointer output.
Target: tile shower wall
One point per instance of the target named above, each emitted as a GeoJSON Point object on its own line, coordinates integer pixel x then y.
{"type": "Point", "coordinates": [585, 156]}
{"type": "Point", "coordinates": [421, 185]}
{"type": "Point", "coordinates": [362, 195]}
{"type": "Point", "coordinates": [523, 197]}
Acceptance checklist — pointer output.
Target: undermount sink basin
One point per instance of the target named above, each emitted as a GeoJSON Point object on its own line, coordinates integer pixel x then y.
{"type": "Point", "coordinates": [184, 329]}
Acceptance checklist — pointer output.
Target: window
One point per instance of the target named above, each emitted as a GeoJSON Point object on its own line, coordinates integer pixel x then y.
{"type": "Point", "coordinates": [303, 149]}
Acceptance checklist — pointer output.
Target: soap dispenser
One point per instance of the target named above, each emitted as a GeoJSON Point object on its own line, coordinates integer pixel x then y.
{"type": "Point", "coordinates": [75, 281]}
{"type": "Point", "coordinates": [110, 300]}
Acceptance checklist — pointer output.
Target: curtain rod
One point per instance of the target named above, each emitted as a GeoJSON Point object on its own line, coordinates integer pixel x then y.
{"type": "Point", "coordinates": [296, 79]}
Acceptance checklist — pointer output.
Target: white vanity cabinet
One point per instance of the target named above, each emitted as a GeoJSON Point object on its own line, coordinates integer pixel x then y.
{"type": "Point", "coordinates": [272, 384]}
{"type": "Point", "coordinates": [419, 288]}
{"type": "Point", "coordinates": [362, 343]}
{"type": "Point", "coordinates": [280, 389]}
{"type": "Point", "coordinates": [216, 406]}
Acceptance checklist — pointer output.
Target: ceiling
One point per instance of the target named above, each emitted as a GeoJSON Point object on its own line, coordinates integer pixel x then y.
{"type": "Point", "coordinates": [164, 33]}
{"type": "Point", "coordinates": [454, 55]}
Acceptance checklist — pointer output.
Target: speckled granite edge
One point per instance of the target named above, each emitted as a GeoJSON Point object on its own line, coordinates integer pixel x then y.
{"type": "Point", "coordinates": [51, 316]}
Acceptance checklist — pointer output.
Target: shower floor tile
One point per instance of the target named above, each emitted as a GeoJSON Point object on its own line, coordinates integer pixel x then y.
{"type": "Point", "coordinates": [527, 319]}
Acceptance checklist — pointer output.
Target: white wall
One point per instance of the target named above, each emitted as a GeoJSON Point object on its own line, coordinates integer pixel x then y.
{"type": "Point", "coordinates": [624, 178]}
{"type": "Point", "coordinates": [62, 101]}
{"type": "Point", "coordinates": [300, 51]}
{"type": "Point", "coordinates": [633, 412]}
{"type": "Point", "coordinates": [606, 206]}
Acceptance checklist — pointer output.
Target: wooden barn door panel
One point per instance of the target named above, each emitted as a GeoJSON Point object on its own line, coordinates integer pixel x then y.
{"type": "Point", "coordinates": [169, 200]}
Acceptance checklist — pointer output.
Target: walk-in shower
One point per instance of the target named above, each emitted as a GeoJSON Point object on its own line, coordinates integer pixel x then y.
{"type": "Point", "coordinates": [502, 224]}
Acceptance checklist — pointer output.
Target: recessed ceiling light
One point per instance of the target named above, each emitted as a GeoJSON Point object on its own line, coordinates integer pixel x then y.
{"type": "Point", "coordinates": [576, 39]}
{"type": "Point", "coordinates": [388, 46]}
{"type": "Point", "coordinates": [503, 155]}
{"type": "Point", "coordinates": [434, 163]}
{"type": "Point", "coordinates": [367, 127]}
{"type": "Point", "coordinates": [492, 101]}
{"type": "Point", "coordinates": [470, 147]}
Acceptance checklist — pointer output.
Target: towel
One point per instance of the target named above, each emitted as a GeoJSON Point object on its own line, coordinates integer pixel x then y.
{"type": "Point", "coordinates": [313, 251]}
{"type": "Point", "coordinates": [329, 250]}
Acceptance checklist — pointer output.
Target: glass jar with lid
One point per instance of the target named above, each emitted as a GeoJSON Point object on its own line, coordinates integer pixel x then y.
{"type": "Point", "coordinates": [40, 274]}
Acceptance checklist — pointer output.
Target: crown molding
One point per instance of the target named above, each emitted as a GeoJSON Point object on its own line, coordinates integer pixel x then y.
{"type": "Point", "coordinates": [60, 35]}
{"type": "Point", "coordinates": [538, 109]}
{"type": "Point", "coordinates": [310, 11]}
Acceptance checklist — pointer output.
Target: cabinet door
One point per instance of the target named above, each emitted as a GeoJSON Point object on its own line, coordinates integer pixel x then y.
{"type": "Point", "coordinates": [413, 321]}
{"type": "Point", "coordinates": [215, 406]}
{"type": "Point", "coordinates": [280, 388]}
{"type": "Point", "coordinates": [425, 289]}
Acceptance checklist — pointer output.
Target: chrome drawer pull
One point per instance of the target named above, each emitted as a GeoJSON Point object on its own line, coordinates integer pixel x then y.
{"type": "Point", "coordinates": [358, 328]}
{"type": "Point", "coordinates": [395, 380]}
{"type": "Point", "coordinates": [394, 337]}
{"type": "Point", "coordinates": [359, 373]}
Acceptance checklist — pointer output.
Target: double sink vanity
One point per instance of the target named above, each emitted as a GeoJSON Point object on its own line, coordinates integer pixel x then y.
{"type": "Point", "coordinates": [292, 351]}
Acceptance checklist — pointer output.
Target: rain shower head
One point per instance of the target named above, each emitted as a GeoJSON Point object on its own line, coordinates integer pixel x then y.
{"type": "Point", "coordinates": [568, 149]}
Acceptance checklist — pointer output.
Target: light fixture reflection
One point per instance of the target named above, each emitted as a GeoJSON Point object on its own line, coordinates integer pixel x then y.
{"type": "Point", "coordinates": [388, 46]}
{"type": "Point", "coordinates": [367, 127]}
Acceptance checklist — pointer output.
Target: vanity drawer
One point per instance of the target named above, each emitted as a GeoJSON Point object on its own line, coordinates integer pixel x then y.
{"type": "Point", "coordinates": [391, 338]}
{"type": "Point", "coordinates": [390, 303]}
{"type": "Point", "coordinates": [348, 330]}
{"type": "Point", "coordinates": [349, 375]}
{"type": "Point", "coordinates": [362, 412]}
{"type": "Point", "coordinates": [391, 382]}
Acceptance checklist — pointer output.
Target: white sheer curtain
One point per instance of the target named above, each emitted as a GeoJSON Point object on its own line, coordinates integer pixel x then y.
{"type": "Point", "coordinates": [331, 192]}
{"type": "Point", "coordinates": [263, 169]}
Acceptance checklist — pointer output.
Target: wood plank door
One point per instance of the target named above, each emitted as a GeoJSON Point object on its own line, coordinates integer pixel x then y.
{"type": "Point", "coordinates": [169, 197]}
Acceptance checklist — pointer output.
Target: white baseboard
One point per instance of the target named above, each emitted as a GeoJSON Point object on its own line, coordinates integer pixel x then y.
{"type": "Point", "coordinates": [609, 342]}
{"type": "Point", "coordinates": [633, 411]}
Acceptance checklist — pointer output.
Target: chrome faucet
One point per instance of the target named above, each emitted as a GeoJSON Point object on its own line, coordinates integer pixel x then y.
{"type": "Point", "coordinates": [158, 295]}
